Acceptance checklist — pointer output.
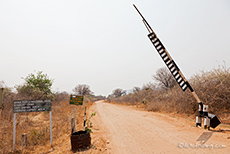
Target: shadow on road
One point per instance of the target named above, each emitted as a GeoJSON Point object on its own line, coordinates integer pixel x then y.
{"type": "Point", "coordinates": [204, 137]}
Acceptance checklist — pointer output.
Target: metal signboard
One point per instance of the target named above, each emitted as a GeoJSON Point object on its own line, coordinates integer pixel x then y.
{"type": "Point", "coordinates": [32, 106]}
{"type": "Point", "coordinates": [76, 100]}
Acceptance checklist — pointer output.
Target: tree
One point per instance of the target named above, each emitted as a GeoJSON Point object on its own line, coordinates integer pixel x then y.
{"type": "Point", "coordinates": [136, 89]}
{"type": "Point", "coordinates": [164, 78]}
{"type": "Point", "coordinates": [36, 86]}
{"type": "Point", "coordinates": [118, 92]}
{"type": "Point", "coordinates": [148, 86]}
{"type": "Point", "coordinates": [82, 89]}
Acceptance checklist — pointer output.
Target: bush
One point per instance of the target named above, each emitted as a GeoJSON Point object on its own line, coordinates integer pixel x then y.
{"type": "Point", "coordinates": [212, 87]}
{"type": "Point", "coordinates": [36, 87]}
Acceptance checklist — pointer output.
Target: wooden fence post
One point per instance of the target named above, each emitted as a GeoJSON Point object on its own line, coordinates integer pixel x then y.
{"type": "Point", "coordinates": [73, 126]}
{"type": "Point", "coordinates": [24, 140]}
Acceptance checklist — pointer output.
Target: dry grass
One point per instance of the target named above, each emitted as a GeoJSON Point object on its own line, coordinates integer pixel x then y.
{"type": "Point", "coordinates": [36, 125]}
{"type": "Point", "coordinates": [212, 87]}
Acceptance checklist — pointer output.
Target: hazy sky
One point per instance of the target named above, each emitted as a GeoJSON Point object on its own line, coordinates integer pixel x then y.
{"type": "Point", "coordinates": [104, 43]}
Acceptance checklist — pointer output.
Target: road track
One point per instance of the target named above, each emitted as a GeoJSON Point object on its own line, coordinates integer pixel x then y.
{"type": "Point", "coordinates": [131, 131]}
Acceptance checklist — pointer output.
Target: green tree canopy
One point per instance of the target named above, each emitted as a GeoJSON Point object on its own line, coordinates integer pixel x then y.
{"type": "Point", "coordinates": [36, 86]}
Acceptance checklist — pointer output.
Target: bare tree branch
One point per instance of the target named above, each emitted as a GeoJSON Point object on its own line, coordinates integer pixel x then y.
{"type": "Point", "coordinates": [82, 89]}
{"type": "Point", "coordinates": [118, 92]}
{"type": "Point", "coordinates": [164, 78]}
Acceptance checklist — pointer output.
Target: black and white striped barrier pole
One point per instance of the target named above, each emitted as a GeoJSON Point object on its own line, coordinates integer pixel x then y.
{"type": "Point", "coordinates": [84, 120]}
{"type": "Point", "coordinates": [199, 115]}
{"type": "Point", "coordinates": [210, 120]}
{"type": "Point", "coordinates": [206, 118]}
{"type": "Point", "coordinates": [177, 74]}
{"type": "Point", "coordinates": [203, 113]}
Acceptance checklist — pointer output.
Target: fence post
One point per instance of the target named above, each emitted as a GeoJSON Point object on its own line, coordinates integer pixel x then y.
{"type": "Point", "coordinates": [24, 140]}
{"type": "Point", "coordinates": [73, 126]}
{"type": "Point", "coordinates": [206, 118]}
{"type": "Point", "coordinates": [84, 120]}
{"type": "Point", "coordinates": [14, 131]}
{"type": "Point", "coordinates": [51, 139]}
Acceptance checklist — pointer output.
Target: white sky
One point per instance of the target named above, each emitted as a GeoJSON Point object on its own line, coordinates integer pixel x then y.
{"type": "Point", "coordinates": [104, 43]}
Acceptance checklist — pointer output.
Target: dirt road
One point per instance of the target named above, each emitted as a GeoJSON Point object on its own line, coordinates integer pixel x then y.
{"type": "Point", "coordinates": [130, 131]}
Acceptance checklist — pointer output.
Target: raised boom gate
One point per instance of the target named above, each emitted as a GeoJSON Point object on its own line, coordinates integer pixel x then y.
{"type": "Point", "coordinates": [210, 120]}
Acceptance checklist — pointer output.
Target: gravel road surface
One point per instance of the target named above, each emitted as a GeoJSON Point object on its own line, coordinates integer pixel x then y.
{"type": "Point", "coordinates": [131, 131]}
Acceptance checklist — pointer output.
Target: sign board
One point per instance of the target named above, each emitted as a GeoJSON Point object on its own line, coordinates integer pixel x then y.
{"type": "Point", "coordinates": [31, 106]}
{"type": "Point", "coordinates": [76, 100]}
{"type": "Point", "coordinates": [1, 96]}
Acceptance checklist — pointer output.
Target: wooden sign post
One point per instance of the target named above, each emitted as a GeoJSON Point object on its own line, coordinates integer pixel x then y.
{"type": "Point", "coordinates": [21, 106]}
{"type": "Point", "coordinates": [75, 100]}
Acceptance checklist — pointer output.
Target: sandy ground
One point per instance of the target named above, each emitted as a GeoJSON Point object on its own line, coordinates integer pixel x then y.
{"type": "Point", "coordinates": [124, 130]}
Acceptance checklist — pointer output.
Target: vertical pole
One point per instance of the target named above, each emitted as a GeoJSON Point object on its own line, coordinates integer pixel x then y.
{"type": "Point", "coordinates": [75, 109]}
{"type": "Point", "coordinates": [14, 131]}
{"type": "Point", "coordinates": [199, 115]}
{"type": "Point", "coordinates": [206, 118]}
{"type": "Point", "coordinates": [198, 121]}
{"type": "Point", "coordinates": [24, 140]}
{"type": "Point", "coordinates": [73, 126]}
{"type": "Point", "coordinates": [84, 120]}
{"type": "Point", "coordinates": [51, 141]}
{"type": "Point", "coordinates": [74, 115]}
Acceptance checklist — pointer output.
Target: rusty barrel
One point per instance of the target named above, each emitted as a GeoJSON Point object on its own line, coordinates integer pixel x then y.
{"type": "Point", "coordinates": [80, 140]}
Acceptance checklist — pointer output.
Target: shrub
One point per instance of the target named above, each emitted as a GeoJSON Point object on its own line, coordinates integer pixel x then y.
{"type": "Point", "coordinates": [212, 87]}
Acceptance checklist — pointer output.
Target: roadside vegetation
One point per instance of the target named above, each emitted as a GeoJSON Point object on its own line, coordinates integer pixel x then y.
{"type": "Point", "coordinates": [212, 87]}
{"type": "Point", "coordinates": [36, 124]}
